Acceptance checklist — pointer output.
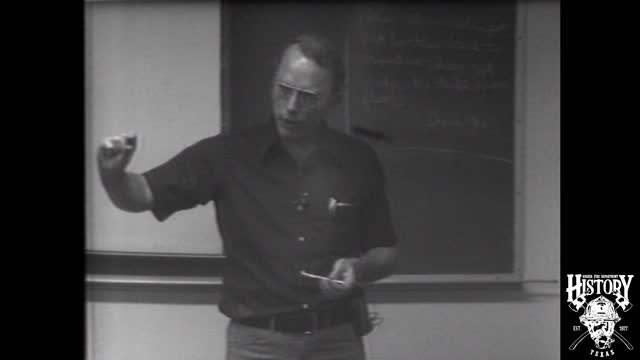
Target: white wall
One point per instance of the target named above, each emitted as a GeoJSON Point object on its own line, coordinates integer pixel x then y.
{"type": "Point", "coordinates": [436, 324]}
{"type": "Point", "coordinates": [493, 331]}
{"type": "Point", "coordinates": [152, 68]}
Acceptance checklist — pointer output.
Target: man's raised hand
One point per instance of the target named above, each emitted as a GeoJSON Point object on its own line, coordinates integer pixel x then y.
{"type": "Point", "coordinates": [115, 152]}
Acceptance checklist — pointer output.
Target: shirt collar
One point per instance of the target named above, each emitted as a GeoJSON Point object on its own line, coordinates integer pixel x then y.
{"type": "Point", "coordinates": [268, 138]}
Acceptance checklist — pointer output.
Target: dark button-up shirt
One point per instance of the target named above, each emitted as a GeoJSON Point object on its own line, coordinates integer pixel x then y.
{"type": "Point", "coordinates": [276, 217]}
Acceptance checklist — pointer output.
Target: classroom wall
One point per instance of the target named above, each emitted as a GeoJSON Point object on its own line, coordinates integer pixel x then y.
{"type": "Point", "coordinates": [429, 324]}
{"type": "Point", "coordinates": [152, 68]}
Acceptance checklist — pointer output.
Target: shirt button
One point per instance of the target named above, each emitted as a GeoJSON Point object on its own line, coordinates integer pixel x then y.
{"type": "Point", "coordinates": [305, 306]}
{"type": "Point", "coordinates": [301, 238]}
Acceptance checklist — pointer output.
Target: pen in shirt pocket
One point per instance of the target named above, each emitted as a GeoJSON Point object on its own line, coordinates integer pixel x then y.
{"type": "Point", "coordinates": [335, 204]}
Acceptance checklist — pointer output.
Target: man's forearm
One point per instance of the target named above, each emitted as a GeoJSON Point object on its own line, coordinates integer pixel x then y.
{"type": "Point", "coordinates": [375, 264]}
{"type": "Point", "coordinates": [128, 191]}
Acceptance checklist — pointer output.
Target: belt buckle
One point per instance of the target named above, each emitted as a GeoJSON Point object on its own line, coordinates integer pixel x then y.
{"type": "Point", "coordinates": [274, 320]}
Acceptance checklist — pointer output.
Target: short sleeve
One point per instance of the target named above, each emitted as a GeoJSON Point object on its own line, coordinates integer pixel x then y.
{"type": "Point", "coordinates": [190, 178]}
{"type": "Point", "coordinates": [378, 228]}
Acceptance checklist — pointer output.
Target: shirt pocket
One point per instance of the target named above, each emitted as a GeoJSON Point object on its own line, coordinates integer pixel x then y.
{"type": "Point", "coordinates": [345, 218]}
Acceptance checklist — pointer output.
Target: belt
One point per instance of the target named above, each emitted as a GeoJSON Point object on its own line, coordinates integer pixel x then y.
{"type": "Point", "coordinates": [305, 321]}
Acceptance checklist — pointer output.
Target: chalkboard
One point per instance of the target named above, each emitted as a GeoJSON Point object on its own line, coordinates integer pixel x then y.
{"type": "Point", "coordinates": [437, 81]}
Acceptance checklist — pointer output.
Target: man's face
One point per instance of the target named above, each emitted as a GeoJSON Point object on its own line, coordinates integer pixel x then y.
{"type": "Point", "coordinates": [301, 95]}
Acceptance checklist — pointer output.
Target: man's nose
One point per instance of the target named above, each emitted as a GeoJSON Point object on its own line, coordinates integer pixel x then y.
{"type": "Point", "coordinates": [292, 102]}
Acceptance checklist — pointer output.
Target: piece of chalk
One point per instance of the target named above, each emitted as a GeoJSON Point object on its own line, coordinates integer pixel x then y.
{"type": "Point", "coordinates": [304, 273]}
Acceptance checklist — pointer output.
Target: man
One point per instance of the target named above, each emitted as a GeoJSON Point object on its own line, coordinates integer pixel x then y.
{"type": "Point", "coordinates": [293, 198]}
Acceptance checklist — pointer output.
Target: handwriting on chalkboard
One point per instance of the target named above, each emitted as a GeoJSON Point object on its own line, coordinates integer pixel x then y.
{"type": "Point", "coordinates": [435, 63]}
{"type": "Point", "coordinates": [380, 15]}
{"type": "Point", "coordinates": [385, 82]}
{"type": "Point", "coordinates": [393, 41]}
{"type": "Point", "coordinates": [436, 74]}
{"type": "Point", "coordinates": [460, 120]}
{"type": "Point", "coordinates": [434, 119]}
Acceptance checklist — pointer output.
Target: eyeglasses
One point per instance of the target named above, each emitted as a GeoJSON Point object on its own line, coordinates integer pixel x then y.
{"type": "Point", "coordinates": [305, 99]}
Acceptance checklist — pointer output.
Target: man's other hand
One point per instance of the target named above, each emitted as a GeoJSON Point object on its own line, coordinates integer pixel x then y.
{"type": "Point", "coordinates": [343, 270]}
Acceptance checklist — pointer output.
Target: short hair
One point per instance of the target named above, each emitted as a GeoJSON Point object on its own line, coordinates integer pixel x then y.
{"type": "Point", "coordinates": [323, 52]}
